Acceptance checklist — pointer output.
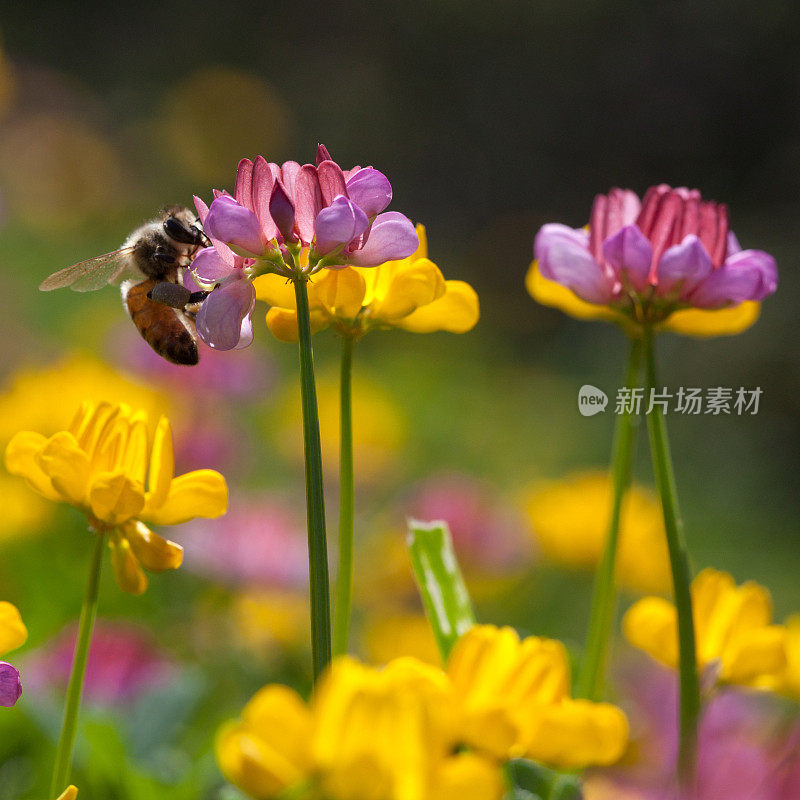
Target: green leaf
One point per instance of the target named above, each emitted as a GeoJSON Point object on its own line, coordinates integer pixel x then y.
{"type": "Point", "coordinates": [441, 585]}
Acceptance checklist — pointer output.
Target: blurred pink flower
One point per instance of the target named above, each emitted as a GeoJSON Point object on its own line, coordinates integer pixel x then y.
{"type": "Point", "coordinates": [671, 250]}
{"type": "Point", "coordinates": [124, 663]}
{"type": "Point", "coordinates": [745, 749]}
{"type": "Point", "coordinates": [259, 542]}
{"type": "Point", "coordinates": [487, 533]}
{"type": "Point", "coordinates": [10, 685]}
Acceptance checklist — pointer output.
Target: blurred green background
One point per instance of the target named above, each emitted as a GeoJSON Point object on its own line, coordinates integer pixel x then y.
{"type": "Point", "coordinates": [490, 120]}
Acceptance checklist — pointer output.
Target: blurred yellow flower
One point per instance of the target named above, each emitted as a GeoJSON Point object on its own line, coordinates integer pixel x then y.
{"type": "Point", "coordinates": [569, 520]}
{"type": "Point", "coordinates": [23, 512]}
{"type": "Point", "coordinates": [44, 398]}
{"type": "Point", "coordinates": [787, 681]}
{"type": "Point", "coordinates": [13, 633]}
{"type": "Point", "coordinates": [733, 628]}
{"type": "Point", "coordinates": [100, 465]}
{"type": "Point", "coordinates": [70, 793]}
{"type": "Point", "coordinates": [379, 426]}
{"type": "Point", "coordinates": [690, 321]}
{"type": "Point", "coordinates": [411, 294]}
{"type": "Point", "coordinates": [514, 699]}
{"type": "Point", "coordinates": [264, 618]}
{"type": "Point", "coordinates": [388, 634]}
{"type": "Point", "coordinates": [468, 776]}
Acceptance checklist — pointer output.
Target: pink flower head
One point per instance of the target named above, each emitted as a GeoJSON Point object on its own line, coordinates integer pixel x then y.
{"type": "Point", "coordinates": [225, 320]}
{"type": "Point", "coordinates": [10, 685]}
{"type": "Point", "coordinates": [124, 664]}
{"type": "Point", "coordinates": [671, 250]}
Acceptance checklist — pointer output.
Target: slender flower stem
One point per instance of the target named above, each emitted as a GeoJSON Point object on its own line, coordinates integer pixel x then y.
{"type": "Point", "coordinates": [344, 575]}
{"type": "Point", "coordinates": [315, 500]}
{"type": "Point", "coordinates": [69, 727]}
{"type": "Point", "coordinates": [681, 579]}
{"type": "Point", "coordinates": [590, 679]}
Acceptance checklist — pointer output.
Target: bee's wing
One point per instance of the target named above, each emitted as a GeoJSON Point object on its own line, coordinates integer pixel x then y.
{"type": "Point", "coordinates": [92, 274]}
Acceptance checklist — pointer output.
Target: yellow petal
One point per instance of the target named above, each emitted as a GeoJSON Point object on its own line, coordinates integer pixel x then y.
{"type": "Point", "coordinates": [651, 625]}
{"type": "Point", "coordinates": [282, 324]}
{"type": "Point", "coordinates": [578, 733]}
{"type": "Point", "coordinates": [341, 292]}
{"type": "Point", "coordinates": [468, 776]}
{"type": "Point", "coordinates": [722, 322]}
{"type": "Point", "coordinates": [115, 498]}
{"type": "Point", "coordinates": [153, 551]}
{"type": "Point", "coordinates": [202, 493]}
{"type": "Point", "coordinates": [66, 465]}
{"type": "Point", "coordinates": [550, 293]}
{"type": "Point", "coordinates": [129, 575]}
{"type": "Point", "coordinates": [275, 290]}
{"type": "Point", "coordinates": [21, 459]}
{"type": "Point", "coordinates": [133, 461]}
{"type": "Point", "coordinates": [13, 632]}
{"type": "Point", "coordinates": [162, 465]}
{"type": "Point", "coordinates": [457, 311]}
{"type": "Point", "coordinates": [412, 286]}
{"type": "Point", "coordinates": [99, 418]}
{"type": "Point", "coordinates": [755, 655]}
{"type": "Point", "coordinates": [422, 247]}
{"type": "Point", "coordinates": [70, 793]}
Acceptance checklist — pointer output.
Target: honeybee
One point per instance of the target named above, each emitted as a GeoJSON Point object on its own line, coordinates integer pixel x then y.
{"type": "Point", "coordinates": [150, 266]}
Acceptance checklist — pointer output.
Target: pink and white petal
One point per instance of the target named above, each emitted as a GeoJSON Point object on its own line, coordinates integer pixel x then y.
{"type": "Point", "coordinates": [10, 685]}
{"type": "Point", "coordinates": [747, 275]}
{"type": "Point", "coordinates": [288, 174]}
{"type": "Point", "coordinates": [219, 321]}
{"type": "Point", "coordinates": [202, 208]}
{"type": "Point", "coordinates": [243, 188]}
{"type": "Point", "coordinates": [338, 224]}
{"type": "Point", "coordinates": [392, 236]}
{"type": "Point", "coordinates": [628, 251]}
{"type": "Point", "coordinates": [235, 225]}
{"type": "Point", "coordinates": [331, 181]}
{"type": "Point", "coordinates": [209, 267]}
{"type": "Point", "coordinates": [307, 201]}
{"type": "Point", "coordinates": [623, 209]}
{"type": "Point", "coordinates": [370, 190]}
{"type": "Point", "coordinates": [683, 266]}
{"type": "Point", "coordinates": [263, 181]}
{"type": "Point", "coordinates": [322, 154]}
{"type": "Point", "coordinates": [564, 258]}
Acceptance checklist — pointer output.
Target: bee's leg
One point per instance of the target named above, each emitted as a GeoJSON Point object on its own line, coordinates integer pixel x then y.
{"type": "Point", "coordinates": [170, 294]}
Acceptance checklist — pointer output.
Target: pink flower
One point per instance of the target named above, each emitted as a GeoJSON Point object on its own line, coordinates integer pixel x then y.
{"type": "Point", "coordinates": [10, 685]}
{"type": "Point", "coordinates": [124, 663]}
{"type": "Point", "coordinates": [260, 543]}
{"type": "Point", "coordinates": [671, 250]}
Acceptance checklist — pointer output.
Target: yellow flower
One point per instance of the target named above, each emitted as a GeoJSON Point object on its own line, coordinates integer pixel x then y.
{"type": "Point", "coordinates": [266, 751]}
{"type": "Point", "coordinates": [381, 734]}
{"type": "Point", "coordinates": [390, 633]}
{"type": "Point", "coordinates": [733, 628]}
{"type": "Point", "coordinates": [788, 680]}
{"type": "Point", "coordinates": [411, 294]}
{"type": "Point", "coordinates": [569, 520]}
{"type": "Point", "coordinates": [104, 465]}
{"type": "Point", "coordinates": [690, 321]}
{"type": "Point", "coordinates": [514, 700]}
{"type": "Point", "coordinates": [467, 776]}
{"type": "Point", "coordinates": [13, 633]}
{"type": "Point", "coordinates": [70, 793]}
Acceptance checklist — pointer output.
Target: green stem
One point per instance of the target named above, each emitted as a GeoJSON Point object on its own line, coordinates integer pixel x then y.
{"type": "Point", "coordinates": [344, 575]}
{"type": "Point", "coordinates": [315, 500]}
{"type": "Point", "coordinates": [592, 672]}
{"type": "Point", "coordinates": [681, 578]}
{"type": "Point", "coordinates": [69, 728]}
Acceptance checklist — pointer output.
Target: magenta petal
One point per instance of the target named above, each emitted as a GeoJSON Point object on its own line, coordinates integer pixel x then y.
{"type": "Point", "coordinates": [322, 154]}
{"type": "Point", "coordinates": [629, 252]}
{"type": "Point", "coordinates": [10, 685]}
{"type": "Point", "coordinates": [209, 267]}
{"type": "Point", "coordinates": [391, 236]}
{"type": "Point", "coordinates": [370, 190]}
{"type": "Point", "coordinates": [243, 188]}
{"type": "Point", "coordinates": [202, 208]}
{"type": "Point", "coordinates": [246, 330]}
{"type": "Point", "coordinates": [307, 201]}
{"type": "Point", "coordinates": [235, 225]}
{"type": "Point", "coordinates": [331, 181]}
{"type": "Point", "coordinates": [564, 257]}
{"type": "Point", "coordinates": [683, 266]}
{"type": "Point", "coordinates": [281, 210]}
{"type": "Point", "coordinates": [219, 321]}
{"type": "Point", "coordinates": [747, 275]}
{"type": "Point", "coordinates": [338, 224]}
{"type": "Point", "coordinates": [263, 181]}
{"type": "Point", "coordinates": [288, 174]}
{"type": "Point", "coordinates": [733, 244]}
